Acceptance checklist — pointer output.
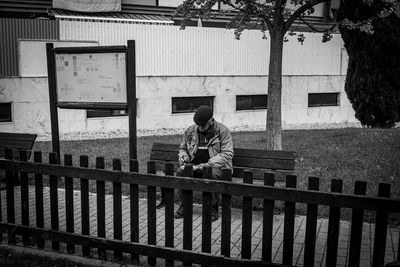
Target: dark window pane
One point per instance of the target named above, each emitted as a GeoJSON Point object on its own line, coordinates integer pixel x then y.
{"type": "Point", "coordinates": [5, 112]}
{"type": "Point", "coordinates": [243, 102]}
{"type": "Point", "coordinates": [190, 104]}
{"type": "Point", "coordinates": [98, 113]}
{"type": "Point", "coordinates": [260, 101]}
{"type": "Point", "coordinates": [323, 99]}
{"type": "Point", "coordinates": [181, 105]}
{"type": "Point", "coordinates": [200, 101]}
{"type": "Point", "coordinates": [249, 102]}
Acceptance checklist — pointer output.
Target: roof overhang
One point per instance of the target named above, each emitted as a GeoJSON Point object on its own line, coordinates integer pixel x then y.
{"type": "Point", "coordinates": [111, 16]}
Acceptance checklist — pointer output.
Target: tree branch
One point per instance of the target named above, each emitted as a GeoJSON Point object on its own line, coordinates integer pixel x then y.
{"type": "Point", "coordinates": [315, 29]}
{"type": "Point", "coordinates": [297, 14]}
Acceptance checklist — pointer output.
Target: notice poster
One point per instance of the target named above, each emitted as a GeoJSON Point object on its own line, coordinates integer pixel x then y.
{"type": "Point", "coordinates": [91, 77]}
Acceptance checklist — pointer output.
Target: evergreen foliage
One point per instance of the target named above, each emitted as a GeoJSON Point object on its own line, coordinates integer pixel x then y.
{"type": "Point", "coordinates": [373, 74]}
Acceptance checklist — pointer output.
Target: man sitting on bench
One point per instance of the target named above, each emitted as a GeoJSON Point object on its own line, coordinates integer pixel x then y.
{"type": "Point", "coordinates": [207, 143]}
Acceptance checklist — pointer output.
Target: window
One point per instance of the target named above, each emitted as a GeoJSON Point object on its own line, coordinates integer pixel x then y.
{"type": "Point", "coordinates": [97, 113]}
{"type": "Point", "coordinates": [190, 104]}
{"type": "Point", "coordinates": [323, 99]}
{"type": "Point", "coordinates": [249, 102]}
{"type": "Point", "coordinates": [5, 112]}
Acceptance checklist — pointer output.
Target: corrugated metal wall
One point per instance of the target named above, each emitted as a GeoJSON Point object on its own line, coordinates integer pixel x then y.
{"type": "Point", "coordinates": [164, 50]}
{"type": "Point", "coordinates": [13, 29]}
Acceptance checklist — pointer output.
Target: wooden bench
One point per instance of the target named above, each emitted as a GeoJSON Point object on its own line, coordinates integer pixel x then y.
{"type": "Point", "coordinates": [16, 142]}
{"type": "Point", "coordinates": [255, 160]}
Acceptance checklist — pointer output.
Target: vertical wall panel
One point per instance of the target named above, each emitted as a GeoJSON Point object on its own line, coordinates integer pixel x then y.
{"type": "Point", "coordinates": [13, 29]}
{"type": "Point", "coordinates": [165, 50]}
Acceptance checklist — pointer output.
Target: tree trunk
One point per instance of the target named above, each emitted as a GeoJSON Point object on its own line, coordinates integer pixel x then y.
{"type": "Point", "coordinates": [274, 114]}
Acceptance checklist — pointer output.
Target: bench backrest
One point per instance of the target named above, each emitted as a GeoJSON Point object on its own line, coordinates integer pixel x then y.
{"type": "Point", "coordinates": [253, 159]}
{"type": "Point", "coordinates": [16, 141]}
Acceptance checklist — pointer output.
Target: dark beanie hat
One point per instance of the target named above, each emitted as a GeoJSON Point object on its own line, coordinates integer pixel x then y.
{"type": "Point", "coordinates": [203, 115]}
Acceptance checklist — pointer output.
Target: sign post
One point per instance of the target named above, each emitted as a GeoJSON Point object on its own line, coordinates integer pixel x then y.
{"type": "Point", "coordinates": [99, 77]}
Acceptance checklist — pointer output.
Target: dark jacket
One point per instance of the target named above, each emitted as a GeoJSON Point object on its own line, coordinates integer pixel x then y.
{"type": "Point", "coordinates": [220, 146]}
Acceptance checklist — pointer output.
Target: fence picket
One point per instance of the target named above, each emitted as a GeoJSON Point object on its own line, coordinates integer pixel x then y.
{"type": "Point", "coordinates": [37, 157]}
{"type": "Point", "coordinates": [357, 218]}
{"type": "Point", "coordinates": [187, 213]}
{"type": "Point", "coordinates": [24, 197]}
{"type": "Point", "coordinates": [311, 226]}
{"type": "Point", "coordinates": [226, 215]}
{"type": "Point", "coordinates": [117, 209]}
{"type": "Point", "coordinates": [69, 203]}
{"type": "Point", "coordinates": [84, 163]}
{"type": "Point", "coordinates": [247, 218]}
{"type": "Point", "coordinates": [268, 220]}
{"type": "Point", "coordinates": [333, 227]}
{"type": "Point", "coordinates": [381, 222]}
{"type": "Point", "coordinates": [151, 212]}
{"type": "Point", "coordinates": [169, 213]}
{"type": "Point", "coordinates": [54, 201]}
{"type": "Point", "coordinates": [206, 215]}
{"type": "Point", "coordinates": [398, 249]}
{"type": "Point", "coordinates": [1, 218]}
{"type": "Point", "coordinates": [134, 208]}
{"type": "Point", "coordinates": [288, 232]}
{"type": "Point", "coordinates": [101, 207]}
{"type": "Point", "coordinates": [8, 154]}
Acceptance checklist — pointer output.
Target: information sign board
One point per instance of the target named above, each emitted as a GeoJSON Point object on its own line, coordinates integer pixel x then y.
{"type": "Point", "coordinates": [91, 77]}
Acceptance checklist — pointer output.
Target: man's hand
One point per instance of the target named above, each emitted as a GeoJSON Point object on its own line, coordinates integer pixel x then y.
{"type": "Point", "coordinates": [198, 167]}
{"type": "Point", "coordinates": [183, 160]}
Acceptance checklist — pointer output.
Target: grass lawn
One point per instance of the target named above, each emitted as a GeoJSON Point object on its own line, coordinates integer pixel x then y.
{"type": "Point", "coordinates": [352, 154]}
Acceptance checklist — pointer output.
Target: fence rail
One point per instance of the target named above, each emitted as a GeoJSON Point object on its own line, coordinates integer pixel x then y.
{"type": "Point", "coordinates": [290, 195]}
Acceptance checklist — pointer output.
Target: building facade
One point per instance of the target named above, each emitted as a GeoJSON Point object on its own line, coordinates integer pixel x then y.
{"type": "Point", "coordinates": [177, 70]}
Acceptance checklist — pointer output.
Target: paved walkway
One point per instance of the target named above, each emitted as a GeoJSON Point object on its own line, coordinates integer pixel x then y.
{"type": "Point", "coordinates": [300, 222]}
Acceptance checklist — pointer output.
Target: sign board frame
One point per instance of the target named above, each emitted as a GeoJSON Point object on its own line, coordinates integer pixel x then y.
{"type": "Point", "coordinates": [76, 51]}
{"type": "Point", "coordinates": [129, 79]}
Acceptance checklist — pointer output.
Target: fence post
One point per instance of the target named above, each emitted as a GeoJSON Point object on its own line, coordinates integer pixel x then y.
{"type": "Point", "coordinates": [206, 216]}
{"type": "Point", "coordinates": [54, 200]}
{"type": "Point", "coordinates": [24, 197]}
{"type": "Point", "coordinates": [311, 226]}
{"type": "Point", "coordinates": [381, 222]}
{"type": "Point", "coordinates": [268, 220]}
{"type": "Point", "coordinates": [169, 213]}
{"type": "Point", "coordinates": [117, 208]}
{"type": "Point", "coordinates": [84, 163]}
{"type": "Point", "coordinates": [247, 218]}
{"type": "Point", "coordinates": [8, 154]}
{"type": "Point", "coordinates": [69, 203]}
{"type": "Point", "coordinates": [187, 213]}
{"type": "Point", "coordinates": [226, 216]}
{"type": "Point", "coordinates": [151, 212]}
{"type": "Point", "coordinates": [333, 227]}
{"type": "Point", "coordinates": [101, 207]}
{"type": "Point", "coordinates": [288, 231]}
{"type": "Point", "coordinates": [357, 218]}
{"type": "Point", "coordinates": [37, 156]}
{"type": "Point", "coordinates": [134, 203]}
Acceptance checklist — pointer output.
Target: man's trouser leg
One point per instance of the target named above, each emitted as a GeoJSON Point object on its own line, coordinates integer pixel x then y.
{"type": "Point", "coordinates": [216, 175]}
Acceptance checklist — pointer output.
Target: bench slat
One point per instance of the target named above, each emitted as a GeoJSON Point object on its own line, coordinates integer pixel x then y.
{"type": "Point", "coordinates": [16, 144]}
{"type": "Point", "coordinates": [275, 164]}
{"type": "Point", "coordinates": [164, 155]}
{"type": "Point", "coordinates": [270, 154]}
{"type": "Point", "coordinates": [165, 147]}
{"type": "Point", "coordinates": [17, 136]}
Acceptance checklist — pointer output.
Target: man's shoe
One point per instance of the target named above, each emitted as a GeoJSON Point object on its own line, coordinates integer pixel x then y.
{"type": "Point", "coordinates": [161, 204]}
{"type": "Point", "coordinates": [214, 215]}
{"type": "Point", "coordinates": [179, 213]}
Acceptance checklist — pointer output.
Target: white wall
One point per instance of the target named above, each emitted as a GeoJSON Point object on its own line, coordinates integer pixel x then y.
{"type": "Point", "coordinates": [31, 107]}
